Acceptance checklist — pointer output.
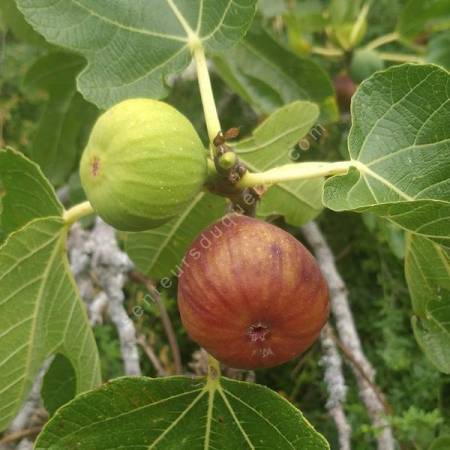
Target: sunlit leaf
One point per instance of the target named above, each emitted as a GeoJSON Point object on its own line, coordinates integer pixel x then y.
{"type": "Point", "coordinates": [399, 145]}
{"type": "Point", "coordinates": [132, 46]}
{"type": "Point", "coordinates": [182, 413]}
{"type": "Point", "coordinates": [26, 195]}
{"type": "Point", "coordinates": [40, 313]}
{"type": "Point", "coordinates": [270, 145]}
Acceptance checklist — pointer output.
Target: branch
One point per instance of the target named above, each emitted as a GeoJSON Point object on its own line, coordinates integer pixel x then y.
{"type": "Point", "coordinates": [110, 266]}
{"type": "Point", "coordinates": [348, 334]}
{"type": "Point", "coordinates": [337, 389]}
{"type": "Point", "coordinates": [96, 255]}
{"type": "Point", "coordinates": [382, 40]}
{"type": "Point", "coordinates": [167, 324]}
{"type": "Point", "coordinates": [12, 437]}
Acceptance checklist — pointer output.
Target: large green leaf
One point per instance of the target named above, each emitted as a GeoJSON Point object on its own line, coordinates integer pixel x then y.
{"type": "Point", "coordinates": [26, 195]}
{"type": "Point", "coordinates": [158, 252]}
{"type": "Point", "coordinates": [267, 75]}
{"type": "Point", "coordinates": [40, 313]}
{"type": "Point", "coordinates": [268, 147]}
{"type": "Point", "coordinates": [132, 46]}
{"type": "Point", "coordinates": [399, 145]}
{"type": "Point", "coordinates": [56, 144]}
{"type": "Point", "coordinates": [427, 268]}
{"type": "Point", "coordinates": [182, 413]}
{"type": "Point", "coordinates": [419, 16]}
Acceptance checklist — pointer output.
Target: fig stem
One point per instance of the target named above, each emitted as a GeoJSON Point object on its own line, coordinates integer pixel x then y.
{"type": "Point", "coordinates": [77, 212]}
{"type": "Point", "coordinates": [207, 96]}
{"type": "Point", "coordinates": [213, 369]}
{"type": "Point", "coordinates": [296, 171]}
{"type": "Point", "coordinates": [382, 40]}
{"type": "Point", "coordinates": [328, 51]}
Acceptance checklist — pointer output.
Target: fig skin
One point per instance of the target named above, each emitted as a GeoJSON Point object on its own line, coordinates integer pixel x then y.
{"type": "Point", "coordinates": [364, 64]}
{"type": "Point", "coordinates": [144, 163]}
{"type": "Point", "coordinates": [251, 294]}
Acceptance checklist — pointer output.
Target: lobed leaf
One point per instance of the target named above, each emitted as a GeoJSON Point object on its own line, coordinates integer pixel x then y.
{"type": "Point", "coordinates": [268, 147]}
{"type": "Point", "coordinates": [269, 76]}
{"type": "Point", "coordinates": [56, 144]}
{"type": "Point", "coordinates": [40, 313]}
{"type": "Point", "coordinates": [26, 193]}
{"type": "Point", "coordinates": [159, 251]}
{"type": "Point", "coordinates": [179, 412]}
{"type": "Point", "coordinates": [132, 46]}
{"type": "Point", "coordinates": [427, 269]}
{"type": "Point", "coordinates": [399, 145]}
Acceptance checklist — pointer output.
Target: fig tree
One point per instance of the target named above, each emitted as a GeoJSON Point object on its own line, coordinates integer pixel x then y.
{"type": "Point", "coordinates": [251, 294]}
{"type": "Point", "coordinates": [143, 164]}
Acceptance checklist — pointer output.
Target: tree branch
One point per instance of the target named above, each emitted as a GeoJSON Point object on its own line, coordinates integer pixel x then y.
{"type": "Point", "coordinates": [151, 356]}
{"type": "Point", "coordinates": [337, 389]}
{"type": "Point", "coordinates": [349, 335]}
{"type": "Point", "coordinates": [95, 254]}
{"type": "Point", "coordinates": [12, 437]}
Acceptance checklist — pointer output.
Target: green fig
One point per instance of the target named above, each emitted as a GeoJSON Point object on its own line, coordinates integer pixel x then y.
{"type": "Point", "coordinates": [364, 64]}
{"type": "Point", "coordinates": [144, 163]}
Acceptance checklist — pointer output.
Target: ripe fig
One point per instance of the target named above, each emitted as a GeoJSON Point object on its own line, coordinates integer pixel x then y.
{"type": "Point", "coordinates": [251, 294]}
{"type": "Point", "coordinates": [144, 163]}
{"type": "Point", "coordinates": [345, 88]}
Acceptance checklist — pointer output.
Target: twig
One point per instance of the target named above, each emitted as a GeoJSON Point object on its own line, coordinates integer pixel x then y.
{"type": "Point", "coordinates": [12, 437]}
{"type": "Point", "coordinates": [151, 356]}
{"type": "Point", "coordinates": [337, 389]}
{"type": "Point", "coordinates": [328, 51]}
{"type": "Point", "coordinates": [167, 324]}
{"type": "Point", "coordinates": [96, 309]}
{"type": "Point", "coordinates": [348, 334]}
{"type": "Point", "coordinates": [382, 40]}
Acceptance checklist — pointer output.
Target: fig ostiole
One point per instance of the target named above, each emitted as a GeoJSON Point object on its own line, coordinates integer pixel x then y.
{"type": "Point", "coordinates": [144, 163]}
{"type": "Point", "coordinates": [251, 294]}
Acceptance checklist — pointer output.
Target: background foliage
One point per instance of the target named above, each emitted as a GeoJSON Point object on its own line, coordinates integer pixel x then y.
{"type": "Point", "coordinates": [43, 116]}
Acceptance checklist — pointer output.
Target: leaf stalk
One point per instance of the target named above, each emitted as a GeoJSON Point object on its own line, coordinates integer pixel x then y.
{"type": "Point", "coordinates": [295, 171]}
{"type": "Point", "coordinates": [207, 96]}
{"type": "Point", "coordinates": [77, 212]}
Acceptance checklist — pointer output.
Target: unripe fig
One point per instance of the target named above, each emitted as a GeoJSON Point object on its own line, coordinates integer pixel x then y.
{"type": "Point", "coordinates": [144, 163]}
{"type": "Point", "coordinates": [251, 294]}
{"type": "Point", "coordinates": [364, 64]}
